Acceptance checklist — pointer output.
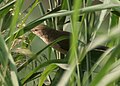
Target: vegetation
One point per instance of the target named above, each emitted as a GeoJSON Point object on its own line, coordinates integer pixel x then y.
{"type": "Point", "coordinates": [26, 60]}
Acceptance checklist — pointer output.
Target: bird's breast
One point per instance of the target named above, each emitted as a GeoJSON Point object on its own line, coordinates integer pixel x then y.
{"type": "Point", "coordinates": [45, 39]}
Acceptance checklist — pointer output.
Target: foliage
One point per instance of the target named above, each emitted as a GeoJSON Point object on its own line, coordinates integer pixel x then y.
{"type": "Point", "coordinates": [26, 60]}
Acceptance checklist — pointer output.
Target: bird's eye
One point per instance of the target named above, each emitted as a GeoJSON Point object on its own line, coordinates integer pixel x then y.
{"type": "Point", "coordinates": [36, 29]}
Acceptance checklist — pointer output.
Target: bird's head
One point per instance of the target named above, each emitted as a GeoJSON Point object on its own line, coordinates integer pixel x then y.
{"type": "Point", "coordinates": [39, 30]}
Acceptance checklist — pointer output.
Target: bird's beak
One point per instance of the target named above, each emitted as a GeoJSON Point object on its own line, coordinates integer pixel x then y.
{"type": "Point", "coordinates": [32, 30]}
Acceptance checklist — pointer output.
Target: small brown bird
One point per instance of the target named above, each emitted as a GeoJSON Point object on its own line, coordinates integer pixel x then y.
{"type": "Point", "coordinates": [48, 35]}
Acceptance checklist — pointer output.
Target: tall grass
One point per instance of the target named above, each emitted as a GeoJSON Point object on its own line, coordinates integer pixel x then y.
{"type": "Point", "coordinates": [26, 60]}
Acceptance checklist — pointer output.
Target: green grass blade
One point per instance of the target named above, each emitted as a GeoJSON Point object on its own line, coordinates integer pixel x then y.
{"type": "Point", "coordinates": [6, 54]}
{"type": "Point", "coordinates": [18, 6]}
{"type": "Point", "coordinates": [41, 66]}
{"type": "Point", "coordinates": [44, 75]}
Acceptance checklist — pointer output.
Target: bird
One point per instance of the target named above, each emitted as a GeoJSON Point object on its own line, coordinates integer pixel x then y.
{"type": "Point", "coordinates": [48, 35]}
